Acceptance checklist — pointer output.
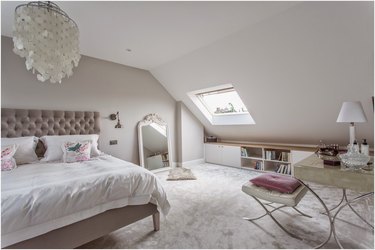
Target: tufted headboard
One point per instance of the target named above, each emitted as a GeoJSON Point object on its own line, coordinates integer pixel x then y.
{"type": "Point", "coordinates": [31, 122]}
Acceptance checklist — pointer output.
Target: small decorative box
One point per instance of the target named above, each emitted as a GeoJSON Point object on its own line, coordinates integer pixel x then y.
{"type": "Point", "coordinates": [332, 162]}
{"type": "Point", "coordinates": [211, 139]}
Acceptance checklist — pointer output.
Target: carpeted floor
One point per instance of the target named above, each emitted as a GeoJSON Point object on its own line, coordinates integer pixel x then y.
{"type": "Point", "coordinates": [207, 213]}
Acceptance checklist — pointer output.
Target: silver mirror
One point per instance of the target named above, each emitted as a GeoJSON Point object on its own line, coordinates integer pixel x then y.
{"type": "Point", "coordinates": [154, 143]}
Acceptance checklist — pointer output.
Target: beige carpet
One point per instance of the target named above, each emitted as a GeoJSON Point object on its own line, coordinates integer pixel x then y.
{"type": "Point", "coordinates": [180, 173]}
{"type": "Point", "coordinates": [207, 213]}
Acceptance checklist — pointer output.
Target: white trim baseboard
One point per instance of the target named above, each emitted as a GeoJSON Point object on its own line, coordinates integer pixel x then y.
{"type": "Point", "coordinates": [161, 169]}
{"type": "Point", "coordinates": [190, 163]}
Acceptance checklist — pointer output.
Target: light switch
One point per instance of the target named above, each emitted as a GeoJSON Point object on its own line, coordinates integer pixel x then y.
{"type": "Point", "coordinates": [112, 142]}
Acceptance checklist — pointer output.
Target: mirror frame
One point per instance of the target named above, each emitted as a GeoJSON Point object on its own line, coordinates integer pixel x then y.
{"type": "Point", "coordinates": [147, 121]}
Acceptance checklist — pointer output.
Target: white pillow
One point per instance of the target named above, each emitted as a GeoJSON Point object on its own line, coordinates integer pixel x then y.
{"type": "Point", "coordinates": [53, 145]}
{"type": "Point", "coordinates": [76, 151]}
{"type": "Point", "coordinates": [25, 148]}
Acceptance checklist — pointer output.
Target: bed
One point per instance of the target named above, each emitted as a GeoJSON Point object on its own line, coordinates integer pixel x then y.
{"type": "Point", "coordinates": [65, 205]}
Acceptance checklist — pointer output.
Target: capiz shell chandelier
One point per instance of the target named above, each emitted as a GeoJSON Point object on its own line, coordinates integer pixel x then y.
{"type": "Point", "coordinates": [48, 38]}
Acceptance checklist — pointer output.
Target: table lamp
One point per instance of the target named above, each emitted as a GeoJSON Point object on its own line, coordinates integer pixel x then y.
{"type": "Point", "coordinates": [351, 112]}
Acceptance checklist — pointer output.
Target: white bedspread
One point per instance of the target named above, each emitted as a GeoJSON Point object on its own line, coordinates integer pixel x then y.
{"type": "Point", "coordinates": [38, 198]}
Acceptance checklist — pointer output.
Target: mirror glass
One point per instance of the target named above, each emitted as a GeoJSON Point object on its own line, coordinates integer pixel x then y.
{"type": "Point", "coordinates": [154, 151]}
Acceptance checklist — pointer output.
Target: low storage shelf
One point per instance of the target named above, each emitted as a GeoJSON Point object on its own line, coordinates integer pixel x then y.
{"type": "Point", "coordinates": [258, 157]}
{"type": "Point", "coordinates": [266, 159]}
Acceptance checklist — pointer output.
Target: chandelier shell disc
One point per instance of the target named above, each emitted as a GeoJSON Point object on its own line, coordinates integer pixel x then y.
{"type": "Point", "coordinates": [48, 39]}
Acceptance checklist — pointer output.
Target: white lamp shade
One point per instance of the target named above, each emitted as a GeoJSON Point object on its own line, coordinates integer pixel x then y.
{"type": "Point", "coordinates": [351, 112]}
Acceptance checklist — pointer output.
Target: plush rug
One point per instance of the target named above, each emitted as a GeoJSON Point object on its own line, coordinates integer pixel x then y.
{"type": "Point", "coordinates": [208, 213]}
{"type": "Point", "coordinates": [180, 173]}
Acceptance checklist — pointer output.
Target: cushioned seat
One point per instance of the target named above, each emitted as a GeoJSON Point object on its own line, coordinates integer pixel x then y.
{"type": "Point", "coordinates": [293, 194]}
{"type": "Point", "coordinates": [262, 193]}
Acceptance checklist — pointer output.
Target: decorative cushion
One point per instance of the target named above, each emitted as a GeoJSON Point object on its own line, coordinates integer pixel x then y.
{"type": "Point", "coordinates": [281, 183]}
{"type": "Point", "coordinates": [76, 151]}
{"type": "Point", "coordinates": [7, 160]}
{"type": "Point", "coordinates": [275, 196]}
{"type": "Point", "coordinates": [53, 144]}
{"type": "Point", "coordinates": [25, 148]}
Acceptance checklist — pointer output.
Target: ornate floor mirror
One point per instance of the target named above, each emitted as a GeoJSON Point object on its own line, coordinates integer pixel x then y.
{"type": "Point", "coordinates": [154, 143]}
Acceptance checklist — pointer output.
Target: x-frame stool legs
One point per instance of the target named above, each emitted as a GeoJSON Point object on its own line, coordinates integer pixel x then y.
{"type": "Point", "coordinates": [268, 212]}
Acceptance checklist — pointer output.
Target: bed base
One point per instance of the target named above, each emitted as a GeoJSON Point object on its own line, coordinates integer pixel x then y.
{"type": "Point", "coordinates": [79, 233]}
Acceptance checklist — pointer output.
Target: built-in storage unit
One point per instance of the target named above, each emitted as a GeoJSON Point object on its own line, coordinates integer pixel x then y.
{"type": "Point", "coordinates": [269, 158]}
{"type": "Point", "coordinates": [266, 159]}
{"type": "Point", "coordinates": [252, 157]}
{"type": "Point", "coordinates": [223, 154]}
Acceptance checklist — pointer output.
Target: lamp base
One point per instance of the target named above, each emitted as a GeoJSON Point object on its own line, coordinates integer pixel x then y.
{"type": "Point", "coordinates": [351, 133]}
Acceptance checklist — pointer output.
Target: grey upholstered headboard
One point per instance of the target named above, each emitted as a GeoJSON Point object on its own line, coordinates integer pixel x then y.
{"type": "Point", "coordinates": [31, 122]}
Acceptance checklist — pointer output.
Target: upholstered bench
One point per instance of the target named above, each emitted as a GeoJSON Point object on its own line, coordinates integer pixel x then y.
{"type": "Point", "coordinates": [275, 188]}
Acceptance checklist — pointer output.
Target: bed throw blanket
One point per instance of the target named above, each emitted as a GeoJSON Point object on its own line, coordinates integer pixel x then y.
{"type": "Point", "coordinates": [38, 198]}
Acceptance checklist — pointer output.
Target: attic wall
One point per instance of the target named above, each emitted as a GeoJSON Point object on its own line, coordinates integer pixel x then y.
{"type": "Point", "coordinates": [96, 85]}
{"type": "Point", "coordinates": [190, 136]}
{"type": "Point", "coordinates": [293, 71]}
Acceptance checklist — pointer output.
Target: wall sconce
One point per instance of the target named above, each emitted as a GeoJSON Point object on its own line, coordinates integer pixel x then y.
{"type": "Point", "coordinates": [114, 117]}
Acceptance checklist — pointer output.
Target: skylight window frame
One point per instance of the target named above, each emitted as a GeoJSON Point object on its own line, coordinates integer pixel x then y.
{"type": "Point", "coordinates": [230, 118]}
{"type": "Point", "coordinates": [220, 91]}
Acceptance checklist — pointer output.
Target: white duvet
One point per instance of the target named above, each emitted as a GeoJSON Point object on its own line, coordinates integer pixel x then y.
{"type": "Point", "coordinates": [37, 198]}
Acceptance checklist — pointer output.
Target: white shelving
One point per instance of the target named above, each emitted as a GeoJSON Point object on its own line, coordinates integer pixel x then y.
{"type": "Point", "coordinates": [264, 158]}
{"type": "Point", "coordinates": [272, 160]}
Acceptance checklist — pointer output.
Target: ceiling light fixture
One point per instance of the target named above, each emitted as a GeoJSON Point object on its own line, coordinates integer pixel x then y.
{"type": "Point", "coordinates": [48, 38]}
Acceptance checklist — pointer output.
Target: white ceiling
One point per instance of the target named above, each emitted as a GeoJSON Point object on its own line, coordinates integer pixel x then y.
{"type": "Point", "coordinates": [292, 63]}
{"type": "Point", "coordinates": [156, 32]}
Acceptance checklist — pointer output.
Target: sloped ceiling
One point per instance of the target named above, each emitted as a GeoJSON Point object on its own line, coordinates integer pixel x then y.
{"type": "Point", "coordinates": [293, 63]}
{"type": "Point", "coordinates": [292, 70]}
{"type": "Point", "coordinates": [156, 32]}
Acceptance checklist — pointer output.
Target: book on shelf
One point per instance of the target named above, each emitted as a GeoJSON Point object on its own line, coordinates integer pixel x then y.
{"type": "Point", "coordinates": [287, 169]}
{"type": "Point", "coordinates": [243, 152]}
{"type": "Point", "coordinates": [277, 168]}
{"type": "Point", "coordinates": [273, 155]}
{"type": "Point", "coordinates": [270, 155]}
{"type": "Point", "coordinates": [283, 169]}
{"type": "Point", "coordinates": [259, 165]}
{"type": "Point", "coordinates": [284, 156]}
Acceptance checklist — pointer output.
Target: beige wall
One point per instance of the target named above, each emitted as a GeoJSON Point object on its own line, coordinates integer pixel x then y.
{"type": "Point", "coordinates": [190, 134]}
{"type": "Point", "coordinates": [292, 71]}
{"type": "Point", "coordinates": [96, 85]}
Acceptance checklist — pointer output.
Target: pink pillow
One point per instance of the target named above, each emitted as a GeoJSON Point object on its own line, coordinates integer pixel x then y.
{"type": "Point", "coordinates": [281, 183]}
{"type": "Point", "coordinates": [7, 160]}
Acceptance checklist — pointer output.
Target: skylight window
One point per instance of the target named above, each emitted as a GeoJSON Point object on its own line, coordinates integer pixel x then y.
{"type": "Point", "coordinates": [221, 105]}
{"type": "Point", "coordinates": [223, 102]}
